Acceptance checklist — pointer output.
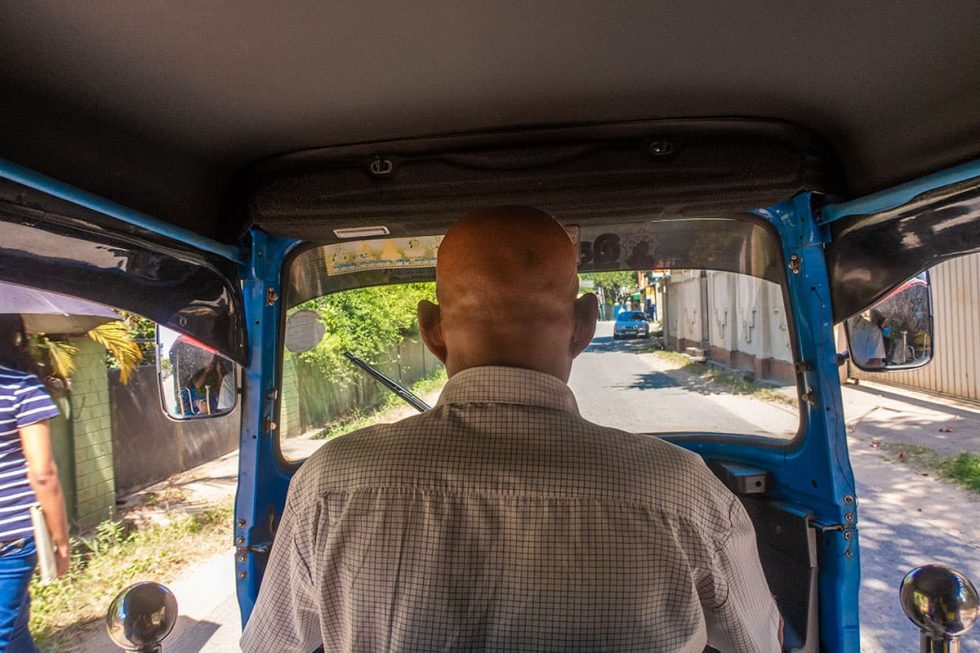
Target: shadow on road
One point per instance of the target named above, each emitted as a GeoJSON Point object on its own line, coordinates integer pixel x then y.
{"type": "Point", "coordinates": [897, 395]}
{"type": "Point", "coordinates": [653, 381]}
{"type": "Point", "coordinates": [194, 635]}
{"type": "Point", "coordinates": [906, 520]}
{"type": "Point", "coordinates": [606, 344]}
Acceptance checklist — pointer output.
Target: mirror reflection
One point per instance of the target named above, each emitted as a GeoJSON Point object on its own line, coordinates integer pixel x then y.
{"type": "Point", "coordinates": [895, 333]}
{"type": "Point", "coordinates": [195, 380]}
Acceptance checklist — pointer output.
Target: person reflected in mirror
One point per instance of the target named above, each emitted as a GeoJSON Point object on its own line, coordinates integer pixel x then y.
{"type": "Point", "coordinates": [196, 393]}
{"type": "Point", "coordinates": [867, 340]}
{"type": "Point", "coordinates": [502, 519]}
{"type": "Point", "coordinates": [28, 476]}
{"type": "Point", "coordinates": [227, 388]}
{"type": "Point", "coordinates": [204, 392]}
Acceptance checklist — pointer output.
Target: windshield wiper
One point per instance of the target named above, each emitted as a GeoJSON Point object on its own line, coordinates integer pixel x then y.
{"type": "Point", "coordinates": [388, 382]}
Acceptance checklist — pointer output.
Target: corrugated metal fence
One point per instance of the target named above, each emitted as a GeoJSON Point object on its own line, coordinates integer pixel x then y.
{"type": "Point", "coordinates": [955, 368]}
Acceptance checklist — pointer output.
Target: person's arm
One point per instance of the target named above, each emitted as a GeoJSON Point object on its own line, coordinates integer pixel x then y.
{"type": "Point", "coordinates": [745, 617]}
{"type": "Point", "coordinates": [42, 472]}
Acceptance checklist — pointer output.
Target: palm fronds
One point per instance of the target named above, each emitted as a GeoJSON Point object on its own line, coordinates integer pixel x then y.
{"type": "Point", "coordinates": [115, 337]}
{"type": "Point", "coordinates": [59, 355]}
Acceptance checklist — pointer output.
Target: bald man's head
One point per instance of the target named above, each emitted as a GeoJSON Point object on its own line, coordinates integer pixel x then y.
{"type": "Point", "coordinates": [506, 281]}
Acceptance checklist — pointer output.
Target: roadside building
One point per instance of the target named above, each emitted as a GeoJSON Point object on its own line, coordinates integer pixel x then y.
{"type": "Point", "coordinates": [731, 319]}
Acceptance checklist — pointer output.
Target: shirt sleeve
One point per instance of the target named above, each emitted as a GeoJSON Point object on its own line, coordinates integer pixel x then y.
{"type": "Point", "coordinates": [34, 404]}
{"type": "Point", "coordinates": [744, 617]}
{"type": "Point", "coordinates": [285, 617]}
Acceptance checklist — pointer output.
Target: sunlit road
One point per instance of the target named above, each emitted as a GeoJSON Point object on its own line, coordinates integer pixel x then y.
{"type": "Point", "coordinates": [614, 386]}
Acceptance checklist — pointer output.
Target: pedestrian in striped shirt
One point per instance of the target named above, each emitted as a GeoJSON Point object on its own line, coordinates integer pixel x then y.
{"type": "Point", "coordinates": [28, 475]}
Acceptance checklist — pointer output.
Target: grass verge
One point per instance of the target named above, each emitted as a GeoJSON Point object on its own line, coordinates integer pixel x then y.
{"type": "Point", "coordinates": [964, 469]}
{"type": "Point", "coordinates": [357, 419]}
{"type": "Point", "coordinates": [729, 381]}
{"type": "Point", "coordinates": [120, 553]}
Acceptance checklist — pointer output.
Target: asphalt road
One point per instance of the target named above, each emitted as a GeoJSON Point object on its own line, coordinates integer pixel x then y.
{"type": "Point", "coordinates": [615, 385]}
{"type": "Point", "coordinates": [906, 518]}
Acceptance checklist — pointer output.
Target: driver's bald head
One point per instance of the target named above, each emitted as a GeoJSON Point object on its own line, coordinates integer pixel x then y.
{"type": "Point", "coordinates": [494, 262]}
{"type": "Point", "coordinates": [506, 280]}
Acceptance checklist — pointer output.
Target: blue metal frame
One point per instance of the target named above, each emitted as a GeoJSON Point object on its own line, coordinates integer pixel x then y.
{"type": "Point", "coordinates": [816, 472]}
{"type": "Point", "coordinates": [898, 195]}
{"type": "Point", "coordinates": [262, 480]}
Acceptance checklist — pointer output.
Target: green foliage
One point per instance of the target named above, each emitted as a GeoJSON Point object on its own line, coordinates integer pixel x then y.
{"type": "Point", "coordinates": [367, 322]}
{"type": "Point", "coordinates": [142, 330]}
{"type": "Point", "coordinates": [965, 470]}
{"type": "Point", "coordinates": [613, 286]}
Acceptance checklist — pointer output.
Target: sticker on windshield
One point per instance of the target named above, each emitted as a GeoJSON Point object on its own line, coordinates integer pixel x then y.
{"type": "Point", "coordinates": [386, 254]}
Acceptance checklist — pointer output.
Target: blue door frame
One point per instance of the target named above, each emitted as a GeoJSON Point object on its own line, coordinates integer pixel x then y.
{"type": "Point", "coordinates": [813, 473]}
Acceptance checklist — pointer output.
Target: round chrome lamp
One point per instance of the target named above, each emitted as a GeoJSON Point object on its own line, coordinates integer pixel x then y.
{"type": "Point", "coordinates": [943, 603]}
{"type": "Point", "coordinates": [141, 616]}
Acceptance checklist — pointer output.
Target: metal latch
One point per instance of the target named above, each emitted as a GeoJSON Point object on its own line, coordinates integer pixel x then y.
{"type": "Point", "coordinates": [242, 550]}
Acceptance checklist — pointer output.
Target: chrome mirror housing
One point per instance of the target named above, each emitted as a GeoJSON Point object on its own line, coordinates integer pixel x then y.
{"type": "Point", "coordinates": [141, 616]}
{"type": "Point", "coordinates": [943, 603]}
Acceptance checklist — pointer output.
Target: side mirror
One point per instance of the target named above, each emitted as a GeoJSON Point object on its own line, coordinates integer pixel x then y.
{"type": "Point", "coordinates": [896, 333]}
{"type": "Point", "coordinates": [304, 331]}
{"type": "Point", "coordinates": [195, 380]}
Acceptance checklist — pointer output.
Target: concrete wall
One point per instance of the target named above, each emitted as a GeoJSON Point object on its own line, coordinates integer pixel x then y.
{"type": "Point", "coordinates": [290, 424]}
{"type": "Point", "coordinates": [747, 328]}
{"type": "Point", "coordinates": [95, 489]}
{"type": "Point", "coordinates": [683, 326]}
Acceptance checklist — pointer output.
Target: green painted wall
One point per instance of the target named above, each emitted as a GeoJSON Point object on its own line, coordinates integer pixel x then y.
{"type": "Point", "coordinates": [63, 446]}
{"type": "Point", "coordinates": [95, 490]}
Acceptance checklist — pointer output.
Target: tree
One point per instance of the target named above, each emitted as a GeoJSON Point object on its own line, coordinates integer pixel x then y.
{"type": "Point", "coordinates": [367, 322]}
{"type": "Point", "coordinates": [613, 286]}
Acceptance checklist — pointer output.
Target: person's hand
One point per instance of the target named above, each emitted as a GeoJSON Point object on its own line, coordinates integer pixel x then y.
{"type": "Point", "coordinates": [62, 558]}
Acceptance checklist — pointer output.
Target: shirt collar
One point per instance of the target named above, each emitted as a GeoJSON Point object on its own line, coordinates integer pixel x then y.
{"type": "Point", "coordinates": [508, 385]}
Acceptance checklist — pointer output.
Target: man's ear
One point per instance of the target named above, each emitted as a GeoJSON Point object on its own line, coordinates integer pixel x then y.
{"type": "Point", "coordinates": [586, 315]}
{"type": "Point", "coordinates": [430, 326]}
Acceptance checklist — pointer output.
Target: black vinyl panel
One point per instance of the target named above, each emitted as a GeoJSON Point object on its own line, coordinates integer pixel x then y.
{"type": "Point", "coordinates": [871, 255]}
{"type": "Point", "coordinates": [596, 174]}
{"type": "Point", "coordinates": [75, 253]}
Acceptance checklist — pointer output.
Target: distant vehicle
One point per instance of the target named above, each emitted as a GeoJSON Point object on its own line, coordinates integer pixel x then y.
{"type": "Point", "coordinates": [631, 323]}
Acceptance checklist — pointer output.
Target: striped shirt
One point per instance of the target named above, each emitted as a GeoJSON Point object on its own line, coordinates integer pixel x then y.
{"type": "Point", "coordinates": [502, 520]}
{"type": "Point", "coordinates": [23, 401]}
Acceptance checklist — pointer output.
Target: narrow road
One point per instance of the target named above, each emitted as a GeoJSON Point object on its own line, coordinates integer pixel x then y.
{"type": "Point", "coordinates": [617, 385]}
{"type": "Point", "coordinates": [906, 518]}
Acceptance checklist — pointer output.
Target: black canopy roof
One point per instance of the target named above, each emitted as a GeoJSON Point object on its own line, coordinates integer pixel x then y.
{"type": "Point", "coordinates": [165, 106]}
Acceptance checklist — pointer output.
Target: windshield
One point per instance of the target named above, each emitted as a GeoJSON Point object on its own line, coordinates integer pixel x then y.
{"type": "Point", "coordinates": [700, 351]}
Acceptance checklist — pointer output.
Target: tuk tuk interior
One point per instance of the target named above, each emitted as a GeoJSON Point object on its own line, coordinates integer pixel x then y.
{"type": "Point", "coordinates": [196, 167]}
